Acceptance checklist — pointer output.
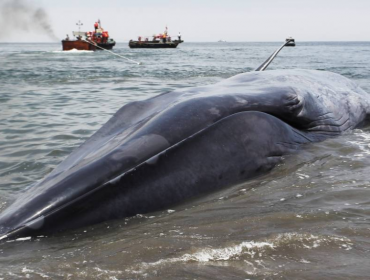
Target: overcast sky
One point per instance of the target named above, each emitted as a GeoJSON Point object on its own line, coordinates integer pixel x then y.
{"type": "Point", "coordinates": [198, 20]}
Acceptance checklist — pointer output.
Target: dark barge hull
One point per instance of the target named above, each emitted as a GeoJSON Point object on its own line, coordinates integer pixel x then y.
{"type": "Point", "coordinates": [107, 46]}
{"type": "Point", "coordinates": [153, 45]}
{"type": "Point", "coordinates": [78, 45]}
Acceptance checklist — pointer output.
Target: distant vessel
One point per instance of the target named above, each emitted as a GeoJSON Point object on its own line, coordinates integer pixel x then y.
{"type": "Point", "coordinates": [160, 41]}
{"type": "Point", "coordinates": [90, 41]}
{"type": "Point", "coordinates": [222, 41]}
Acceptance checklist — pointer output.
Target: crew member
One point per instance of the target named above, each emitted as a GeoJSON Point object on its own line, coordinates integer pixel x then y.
{"type": "Point", "coordinates": [96, 25]}
{"type": "Point", "coordinates": [67, 38]}
{"type": "Point", "coordinates": [179, 36]}
{"type": "Point", "coordinates": [164, 38]}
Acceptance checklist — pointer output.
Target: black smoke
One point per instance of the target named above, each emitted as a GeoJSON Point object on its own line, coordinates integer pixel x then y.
{"type": "Point", "coordinates": [21, 15]}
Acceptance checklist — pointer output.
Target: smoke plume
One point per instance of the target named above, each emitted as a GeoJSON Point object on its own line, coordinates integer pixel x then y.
{"type": "Point", "coordinates": [19, 15]}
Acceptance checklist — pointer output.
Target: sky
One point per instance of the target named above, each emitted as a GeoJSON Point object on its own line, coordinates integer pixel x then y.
{"type": "Point", "coordinates": [197, 20]}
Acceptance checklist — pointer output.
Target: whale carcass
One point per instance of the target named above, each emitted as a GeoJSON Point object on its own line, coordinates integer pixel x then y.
{"type": "Point", "coordinates": [161, 151]}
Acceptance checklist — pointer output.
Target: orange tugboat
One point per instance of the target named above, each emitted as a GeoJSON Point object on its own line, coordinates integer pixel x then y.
{"type": "Point", "coordinates": [89, 41]}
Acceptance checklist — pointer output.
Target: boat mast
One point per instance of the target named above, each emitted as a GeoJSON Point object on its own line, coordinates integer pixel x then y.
{"type": "Point", "coordinates": [79, 24]}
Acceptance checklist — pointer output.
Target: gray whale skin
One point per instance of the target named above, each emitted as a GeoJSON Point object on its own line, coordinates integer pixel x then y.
{"type": "Point", "coordinates": [161, 151]}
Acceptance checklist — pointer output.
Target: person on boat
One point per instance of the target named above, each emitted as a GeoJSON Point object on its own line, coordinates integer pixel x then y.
{"type": "Point", "coordinates": [179, 36]}
{"type": "Point", "coordinates": [96, 25]}
{"type": "Point", "coordinates": [164, 38]}
{"type": "Point", "coordinates": [104, 37]}
{"type": "Point", "coordinates": [67, 38]}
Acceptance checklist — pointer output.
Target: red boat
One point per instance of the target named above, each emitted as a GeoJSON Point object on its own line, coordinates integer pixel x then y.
{"type": "Point", "coordinates": [78, 44]}
{"type": "Point", "coordinates": [89, 41]}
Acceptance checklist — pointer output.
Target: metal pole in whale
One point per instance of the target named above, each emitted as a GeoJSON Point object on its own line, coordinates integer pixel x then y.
{"type": "Point", "coordinates": [289, 42]}
{"type": "Point", "coordinates": [37, 222]}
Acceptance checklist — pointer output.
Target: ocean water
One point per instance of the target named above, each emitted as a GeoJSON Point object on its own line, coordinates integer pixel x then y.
{"type": "Point", "coordinates": [307, 219]}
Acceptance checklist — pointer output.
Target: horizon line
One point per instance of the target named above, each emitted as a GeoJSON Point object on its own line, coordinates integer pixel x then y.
{"type": "Point", "coordinates": [309, 41]}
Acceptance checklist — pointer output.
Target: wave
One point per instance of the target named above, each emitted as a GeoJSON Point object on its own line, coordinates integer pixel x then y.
{"type": "Point", "coordinates": [74, 51]}
{"type": "Point", "coordinates": [250, 250]}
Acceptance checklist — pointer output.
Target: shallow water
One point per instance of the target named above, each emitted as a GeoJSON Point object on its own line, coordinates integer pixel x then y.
{"type": "Point", "coordinates": [307, 219]}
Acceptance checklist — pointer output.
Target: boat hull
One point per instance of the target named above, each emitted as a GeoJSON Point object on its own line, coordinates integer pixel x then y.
{"type": "Point", "coordinates": [153, 45]}
{"type": "Point", "coordinates": [107, 46]}
{"type": "Point", "coordinates": [78, 45]}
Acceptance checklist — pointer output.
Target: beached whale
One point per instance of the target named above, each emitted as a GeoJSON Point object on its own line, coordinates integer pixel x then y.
{"type": "Point", "coordinates": [161, 151]}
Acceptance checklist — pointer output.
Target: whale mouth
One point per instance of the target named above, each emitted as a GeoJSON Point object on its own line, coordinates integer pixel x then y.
{"type": "Point", "coordinates": [25, 229]}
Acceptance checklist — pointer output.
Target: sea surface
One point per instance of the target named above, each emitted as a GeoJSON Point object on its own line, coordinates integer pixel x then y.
{"type": "Point", "coordinates": [307, 219]}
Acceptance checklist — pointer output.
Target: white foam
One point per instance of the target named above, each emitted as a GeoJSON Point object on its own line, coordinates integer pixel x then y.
{"type": "Point", "coordinates": [303, 175]}
{"type": "Point", "coordinates": [23, 238]}
{"type": "Point", "coordinates": [224, 254]}
{"type": "Point", "coordinates": [252, 249]}
{"type": "Point", "coordinates": [110, 273]}
{"type": "Point", "coordinates": [363, 143]}
{"type": "Point", "coordinates": [209, 254]}
{"type": "Point", "coordinates": [73, 51]}
{"type": "Point", "coordinates": [308, 241]}
{"type": "Point", "coordinates": [3, 237]}
{"type": "Point", "coordinates": [25, 270]}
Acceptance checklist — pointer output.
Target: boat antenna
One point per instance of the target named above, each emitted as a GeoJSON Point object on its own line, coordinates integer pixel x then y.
{"type": "Point", "coordinates": [138, 63]}
{"type": "Point", "coordinates": [79, 23]}
{"type": "Point", "coordinates": [289, 42]}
